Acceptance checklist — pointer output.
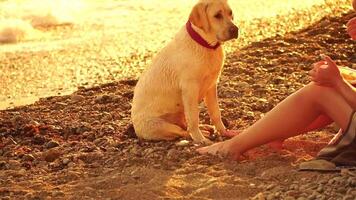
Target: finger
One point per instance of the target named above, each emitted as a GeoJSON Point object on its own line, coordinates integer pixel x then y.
{"type": "Point", "coordinates": [323, 83]}
{"type": "Point", "coordinates": [330, 61]}
{"type": "Point", "coordinates": [351, 29]}
{"type": "Point", "coordinates": [352, 34]}
{"type": "Point", "coordinates": [314, 79]}
{"type": "Point", "coordinates": [317, 64]}
{"type": "Point", "coordinates": [312, 73]}
{"type": "Point", "coordinates": [351, 22]}
{"type": "Point", "coordinates": [351, 25]}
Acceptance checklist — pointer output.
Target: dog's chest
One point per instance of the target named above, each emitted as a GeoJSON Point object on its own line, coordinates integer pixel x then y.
{"type": "Point", "coordinates": [209, 78]}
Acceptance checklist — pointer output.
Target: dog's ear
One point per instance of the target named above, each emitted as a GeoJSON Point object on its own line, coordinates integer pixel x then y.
{"type": "Point", "coordinates": [199, 16]}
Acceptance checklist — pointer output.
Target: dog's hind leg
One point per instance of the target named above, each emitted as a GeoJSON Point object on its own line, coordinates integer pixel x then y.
{"type": "Point", "coordinates": [160, 129]}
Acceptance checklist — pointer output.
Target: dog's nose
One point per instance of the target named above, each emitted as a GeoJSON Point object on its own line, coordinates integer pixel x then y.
{"type": "Point", "coordinates": [234, 31]}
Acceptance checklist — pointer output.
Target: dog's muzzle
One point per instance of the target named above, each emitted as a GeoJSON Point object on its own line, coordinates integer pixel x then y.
{"type": "Point", "coordinates": [234, 31]}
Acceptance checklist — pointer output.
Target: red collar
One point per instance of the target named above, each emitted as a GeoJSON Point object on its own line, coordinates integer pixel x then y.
{"type": "Point", "coordinates": [196, 37]}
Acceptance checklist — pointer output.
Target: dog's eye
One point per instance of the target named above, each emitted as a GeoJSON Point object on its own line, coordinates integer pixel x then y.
{"type": "Point", "coordinates": [218, 16]}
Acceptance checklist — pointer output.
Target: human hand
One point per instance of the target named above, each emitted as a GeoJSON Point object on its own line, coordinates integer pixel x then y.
{"type": "Point", "coordinates": [351, 28]}
{"type": "Point", "coordinates": [325, 73]}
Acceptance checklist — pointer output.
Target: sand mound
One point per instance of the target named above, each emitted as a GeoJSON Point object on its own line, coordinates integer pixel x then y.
{"type": "Point", "coordinates": [19, 19]}
{"type": "Point", "coordinates": [14, 30]}
{"type": "Point", "coordinates": [50, 13]}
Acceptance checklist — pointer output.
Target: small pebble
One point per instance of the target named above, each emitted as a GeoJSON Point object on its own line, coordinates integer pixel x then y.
{"type": "Point", "coordinates": [182, 143]}
{"type": "Point", "coordinates": [28, 157]}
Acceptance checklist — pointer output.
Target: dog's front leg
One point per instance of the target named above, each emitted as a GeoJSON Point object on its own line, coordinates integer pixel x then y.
{"type": "Point", "coordinates": [190, 95]}
{"type": "Point", "coordinates": [211, 101]}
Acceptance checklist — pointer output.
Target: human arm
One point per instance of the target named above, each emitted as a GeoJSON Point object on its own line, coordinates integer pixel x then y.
{"type": "Point", "coordinates": [351, 25]}
{"type": "Point", "coordinates": [326, 73]}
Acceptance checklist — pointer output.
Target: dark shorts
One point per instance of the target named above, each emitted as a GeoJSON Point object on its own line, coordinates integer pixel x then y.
{"type": "Point", "coordinates": [342, 148]}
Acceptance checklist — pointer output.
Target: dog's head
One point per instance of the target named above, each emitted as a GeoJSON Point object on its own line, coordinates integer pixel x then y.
{"type": "Point", "coordinates": [214, 17]}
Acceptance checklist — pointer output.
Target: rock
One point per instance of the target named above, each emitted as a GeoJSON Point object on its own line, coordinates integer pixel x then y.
{"type": "Point", "coordinates": [278, 80]}
{"type": "Point", "coordinates": [270, 197]}
{"type": "Point", "coordinates": [51, 155]}
{"type": "Point", "coordinates": [90, 157]}
{"type": "Point", "coordinates": [28, 157]}
{"type": "Point", "coordinates": [34, 123]}
{"type": "Point", "coordinates": [100, 141]}
{"type": "Point", "coordinates": [135, 150]}
{"type": "Point", "coordinates": [14, 164]}
{"type": "Point", "coordinates": [259, 196]}
{"type": "Point", "coordinates": [106, 117]}
{"type": "Point", "coordinates": [11, 141]}
{"type": "Point", "coordinates": [128, 94]}
{"type": "Point", "coordinates": [103, 99]}
{"type": "Point", "coordinates": [302, 198]}
{"type": "Point", "coordinates": [348, 197]}
{"type": "Point", "coordinates": [39, 139]}
{"type": "Point", "coordinates": [320, 189]}
{"type": "Point", "coordinates": [51, 144]}
{"type": "Point", "coordinates": [173, 154]}
{"type": "Point", "coordinates": [58, 194]}
{"type": "Point", "coordinates": [345, 172]}
{"type": "Point", "coordinates": [270, 187]}
{"type": "Point", "coordinates": [341, 190]}
{"type": "Point", "coordinates": [313, 196]}
{"type": "Point", "coordinates": [71, 164]}
{"type": "Point", "coordinates": [57, 105]}
{"type": "Point", "coordinates": [3, 165]}
{"type": "Point", "coordinates": [182, 143]}
{"type": "Point", "coordinates": [65, 161]}
{"type": "Point", "coordinates": [157, 165]}
{"type": "Point", "coordinates": [107, 129]}
{"type": "Point", "coordinates": [77, 98]}
{"type": "Point", "coordinates": [242, 86]}
{"type": "Point", "coordinates": [148, 151]}
{"type": "Point", "coordinates": [319, 164]}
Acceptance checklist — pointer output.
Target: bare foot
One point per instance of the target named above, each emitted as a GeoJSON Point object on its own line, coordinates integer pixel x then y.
{"type": "Point", "coordinates": [220, 149]}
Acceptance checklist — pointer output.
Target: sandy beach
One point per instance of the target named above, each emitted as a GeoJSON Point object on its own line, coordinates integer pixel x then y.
{"type": "Point", "coordinates": [72, 44]}
{"type": "Point", "coordinates": [82, 146]}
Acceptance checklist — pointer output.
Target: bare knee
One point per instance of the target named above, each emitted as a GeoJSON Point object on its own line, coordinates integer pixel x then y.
{"type": "Point", "coordinates": [315, 93]}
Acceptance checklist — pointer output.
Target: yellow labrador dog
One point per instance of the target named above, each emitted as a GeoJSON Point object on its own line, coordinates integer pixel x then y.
{"type": "Point", "coordinates": [185, 72]}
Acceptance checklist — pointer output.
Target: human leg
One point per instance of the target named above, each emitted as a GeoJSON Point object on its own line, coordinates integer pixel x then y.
{"type": "Point", "coordinates": [287, 119]}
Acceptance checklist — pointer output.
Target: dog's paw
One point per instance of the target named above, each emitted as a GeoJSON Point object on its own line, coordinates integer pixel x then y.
{"type": "Point", "coordinates": [206, 129]}
{"type": "Point", "coordinates": [204, 142]}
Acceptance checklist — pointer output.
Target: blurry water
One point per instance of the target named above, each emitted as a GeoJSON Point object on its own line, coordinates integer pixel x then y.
{"type": "Point", "coordinates": [59, 45]}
